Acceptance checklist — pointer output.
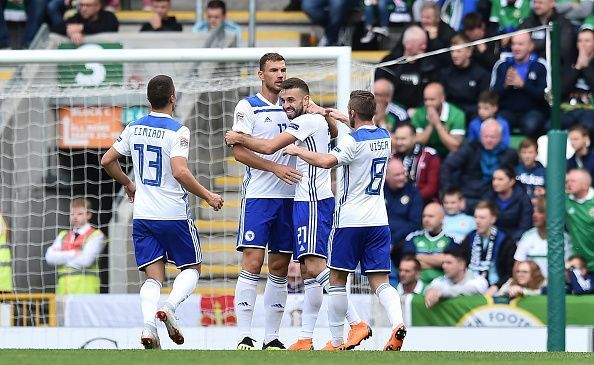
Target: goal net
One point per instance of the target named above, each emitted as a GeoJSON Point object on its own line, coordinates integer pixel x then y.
{"type": "Point", "coordinates": [58, 118]}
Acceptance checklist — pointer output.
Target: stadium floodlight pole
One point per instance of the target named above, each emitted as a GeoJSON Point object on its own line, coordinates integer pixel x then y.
{"type": "Point", "coordinates": [555, 187]}
{"type": "Point", "coordinates": [341, 55]}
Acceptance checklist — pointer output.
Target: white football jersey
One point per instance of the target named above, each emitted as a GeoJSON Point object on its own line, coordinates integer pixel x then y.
{"type": "Point", "coordinates": [311, 131]}
{"type": "Point", "coordinates": [152, 141]}
{"type": "Point", "coordinates": [259, 118]}
{"type": "Point", "coordinates": [363, 155]}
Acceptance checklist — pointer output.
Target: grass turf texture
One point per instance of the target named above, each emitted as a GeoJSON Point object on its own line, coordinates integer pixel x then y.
{"type": "Point", "coordinates": [131, 357]}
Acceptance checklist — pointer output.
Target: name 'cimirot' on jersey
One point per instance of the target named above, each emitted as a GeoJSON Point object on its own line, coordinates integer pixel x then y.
{"type": "Point", "coordinates": [152, 141]}
{"type": "Point", "coordinates": [259, 118]}
{"type": "Point", "coordinates": [311, 131]}
{"type": "Point", "coordinates": [360, 195]}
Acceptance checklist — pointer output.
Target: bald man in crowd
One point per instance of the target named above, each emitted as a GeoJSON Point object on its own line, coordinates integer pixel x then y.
{"type": "Point", "coordinates": [428, 244]}
{"type": "Point", "coordinates": [580, 214]}
{"type": "Point", "coordinates": [439, 124]}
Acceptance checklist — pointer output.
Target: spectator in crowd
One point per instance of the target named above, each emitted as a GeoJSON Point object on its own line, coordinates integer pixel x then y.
{"type": "Point", "coordinates": [456, 224]}
{"type": "Point", "coordinates": [438, 31]}
{"type": "Point", "coordinates": [579, 280]}
{"type": "Point", "coordinates": [453, 11]}
{"type": "Point", "coordinates": [421, 164]}
{"type": "Point", "coordinates": [509, 14]}
{"type": "Point", "coordinates": [488, 105]}
{"type": "Point", "coordinates": [457, 279]}
{"type": "Point", "coordinates": [409, 79]}
{"type": "Point", "coordinates": [216, 15]}
{"type": "Point", "coordinates": [5, 257]}
{"type": "Point", "coordinates": [465, 79]}
{"type": "Point", "coordinates": [387, 114]}
{"type": "Point", "coordinates": [530, 172]}
{"type": "Point", "coordinates": [580, 214]}
{"type": "Point", "coordinates": [160, 20]}
{"type": "Point", "coordinates": [404, 206]}
{"type": "Point", "coordinates": [330, 15]}
{"type": "Point", "coordinates": [577, 84]}
{"type": "Point", "coordinates": [527, 279]}
{"type": "Point", "coordinates": [583, 157]}
{"type": "Point", "coordinates": [369, 19]}
{"type": "Point", "coordinates": [35, 11]}
{"type": "Point", "coordinates": [520, 82]}
{"type": "Point", "coordinates": [409, 273]}
{"type": "Point", "coordinates": [90, 19]}
{"type": "Point", "coordinates": [58, 10]}
{"type": "Point", "coordinates": [513, 204]}
{"type": "Point", "coordinates": [575, 11]}
{"type": "Point", "coordinates": [543, 13]}
{"type": "Point", "coordinates": [75, 252]}
{"type": "Point", "coordinates": [439, 124]}
{"type": "Point", "coordinates": [428, 244]}
{"type": "Point", "coordinates": [533, 244]}
{"type": "Point", "coordinates": [475, 28]}
{"type": "Point", "coordinates": [294, 279]}
{"type": "Point", "coordinates": [489, 250]}
{"type": "Point", "coordinates": [471, 168]}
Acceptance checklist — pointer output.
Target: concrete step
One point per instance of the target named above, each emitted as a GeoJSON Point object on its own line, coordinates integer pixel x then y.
{"type": "Point", "coordinates": [214, 271]}
{"type": "Point", "coordinates": [228, 183]}
{"type": "Point", "coordinates": [217, 226]}
{"type": "Point", "coordinates": [230, 210]}
{"type": "Point", "coordinates": [240, 17]}
{"type": "Point", "coordinates": [234, 168]}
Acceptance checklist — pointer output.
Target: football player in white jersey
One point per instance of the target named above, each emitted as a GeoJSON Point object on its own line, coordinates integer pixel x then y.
{"type": "Point", "coordinates": [310, 127]}
{"type": "Point", "coordinates": [360, 232]}
{"type": "Point", "coordinates": [162, 227]}
{"type": "Point", "coordinates": [266, 207]}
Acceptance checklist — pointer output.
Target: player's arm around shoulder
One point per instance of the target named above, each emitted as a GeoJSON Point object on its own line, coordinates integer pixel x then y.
{"type": "Point", "coordinates": [260, 145]}
{"type": "Point", "coordinates": [323, 160]}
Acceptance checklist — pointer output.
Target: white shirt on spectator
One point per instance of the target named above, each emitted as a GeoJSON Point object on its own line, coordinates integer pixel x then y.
{"type": "Point", "coordinates": [471, 284]}
{"type": "Point", "coordinates": [532, 247]}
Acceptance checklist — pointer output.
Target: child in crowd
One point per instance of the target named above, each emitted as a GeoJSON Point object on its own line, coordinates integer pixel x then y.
{"type": "Point", "coordinates": [530, 172]}
{"type": "Point", "coordinates": [488, 105]}
{"type": "Point", "coordinates": [456, 224]}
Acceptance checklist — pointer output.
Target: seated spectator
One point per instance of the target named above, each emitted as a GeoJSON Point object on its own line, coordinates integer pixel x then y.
{"type": "Point", "coordinates": [489, 250]}
{"type": "Point", "coordinates": [409, 79]}
{"type": "Point", "coordinates": [160, 20]}
{"type": "Point", "coordinates": [439, 32]}
{"type": "Point", "coordinates": [453, 12]}
{"type": "Point", "coordinates": [456, 224]}
{"type": "Point", "coordinates": [526, 280]}
{"type": "Point", "coordinates": [583, 157]}
{"type": "Point", "coordinates": [472, 167]}
{"type": "Point", "coordinates": [439, 124]}
{"type": "Point", "coordinates": [369, 19]}
{"type": "Point", "coordinates": [457, 279]}
{"type": "Point", "coordinates": [543, 13]}
{"type": "Point", "coordinates": [387, 114]}
{"type": "Point", "coordinates": [520, 82]}
{"type": "Point", "coordinates": [577, 85]}
{"type": "Point", "coordinates": [429, 243]}
{"type": "Point", "coordinates": [409, 272]}
{"type": "Point", "coordinates": [575, 11]}
{"type": "Point", "coordinates": [533, 244]}
{"type": "Point", "coordinates": [530, 172]}
{"type": "Point", "coordinates": [509, 14]}
{"type": "Point", "coordinates": [35, 12]}
{"type": "Point", "coordinates": [216, 14]}
{"type": "Point", "coordinates": [403, 205]}
{"type": "Point", "coordinates": [328, 14]}
{"type": "Point", "coordinates": [475, 28]}
{"type": "Point", "coordinates": [57, 10]}
{"type": "Point", "coordinates": [513, 204]}
{"type": "Point", "coordinates": [579, 280]}
{"type": "Point", "coordinates": [421, 164]}
{"type": "Point", "coordinates": [75, 253]}
{"type": "Point", "coordinates": [90, 19]}
{"type": "Point", "coordinates": [465, 79]}
{"type": "Point", "coordinates": [488, 105]}
{"type": "Point", "coordinates": [580, 217]}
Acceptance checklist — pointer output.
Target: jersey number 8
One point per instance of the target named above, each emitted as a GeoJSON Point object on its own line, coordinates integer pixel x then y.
{"type": "Point", "coordinates": [378, 166]}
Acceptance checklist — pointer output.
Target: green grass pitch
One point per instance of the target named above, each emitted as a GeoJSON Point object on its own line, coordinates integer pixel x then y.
{"type": "Point", "coordinates": [132, 357]}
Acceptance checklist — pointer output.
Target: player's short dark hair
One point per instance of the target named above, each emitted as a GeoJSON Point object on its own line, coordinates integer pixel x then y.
{"type": "Point", "coordinates": [472, 21]}
{"type": "Point", "coordinates": [454, 190]}
{"type": "Point", "coordinates": [408, 125]}
{"type": "Point", "coordinates": [459, 38]}
{"type": "Point", "coordinates": [457, 251]}
{"type": "Point", "coordinates": [527, 143]}
{"type": "Point", "coordinates": [489, 205]}
{"type": "Point", "coordinates": [413, 259]}
{"type": "Point", "coordinates": [362, 102]}
{"type": "Point", "coordinates": [579, 128]}
{"type": "Point", "coordinates": [217, 4]}
{"type": "Point", "coordinates": [489, 97]}
{"type": "Point", "coordinates": [159, 91]}
{"type": "Point", "coordinates": [270, 57]}
{"type": "Point", "coordinates": [295, 83]}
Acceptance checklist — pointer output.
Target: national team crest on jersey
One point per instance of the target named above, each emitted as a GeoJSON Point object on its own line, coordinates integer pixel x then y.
{"type": "Point", "coordinates": [249, 236]}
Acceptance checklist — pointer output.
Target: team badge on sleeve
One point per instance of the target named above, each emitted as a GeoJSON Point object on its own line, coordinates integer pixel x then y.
{"type": "Point", "coordinates": [183, 142]}
{"type": "Point", "coordinates": [239, 116]}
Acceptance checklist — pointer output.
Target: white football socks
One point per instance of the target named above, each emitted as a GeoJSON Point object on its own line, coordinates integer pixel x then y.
{"type": "Point", "coordinates": [337, 312]}
{"type": "Point", "coordinates": [352, 316]}
{"type": "Point", "coordinates": [245, 300]}
{"type": "Point", "coordinates": [390, 300]}
{"type": "Point", "coordinates": [150, 293]}
{"type": "Point", "coordinates": [275, 300]}
{"type": "Point", "coordinates": [314, 293]}
{"type": "Point", "coordinates": [183, 285]}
